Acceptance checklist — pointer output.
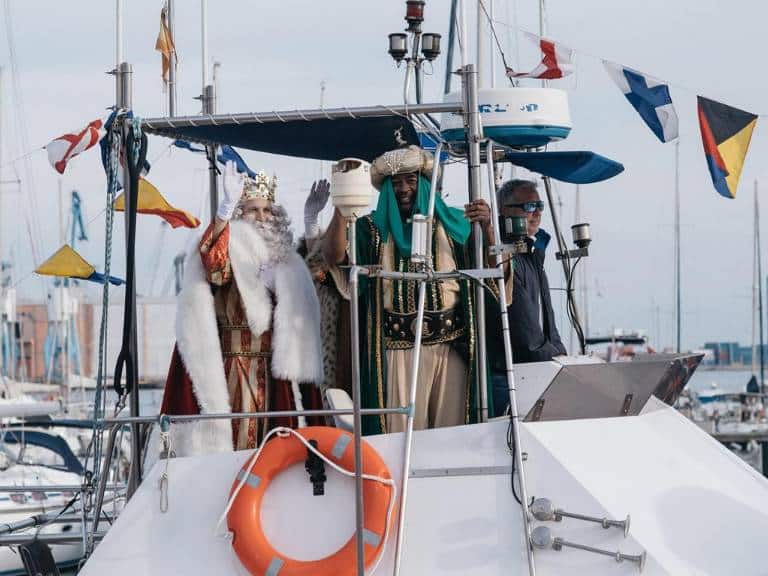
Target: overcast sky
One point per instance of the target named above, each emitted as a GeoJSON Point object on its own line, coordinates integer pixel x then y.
{"type": "Point", "coordinates": [275, 54]}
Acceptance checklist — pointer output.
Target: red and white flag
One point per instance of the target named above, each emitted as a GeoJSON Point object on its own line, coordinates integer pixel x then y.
{"type": "Point", "coordinates": [65, 147]}
{"type": "Point", "coordinates": [556, 62]}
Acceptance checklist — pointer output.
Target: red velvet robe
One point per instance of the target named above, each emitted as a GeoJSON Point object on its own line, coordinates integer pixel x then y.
{"type": "Point", "coordinates": [247, 356]}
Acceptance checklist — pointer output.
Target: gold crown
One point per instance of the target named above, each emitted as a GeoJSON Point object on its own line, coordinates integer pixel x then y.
{"type": "Point", "coordinates": [262, 187]}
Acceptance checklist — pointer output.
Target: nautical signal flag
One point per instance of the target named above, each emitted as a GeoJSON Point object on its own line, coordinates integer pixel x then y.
{"type": "Point", "coordinates": [726, 133]}
{"type": "Point", "coordinates": [62, 149]}
{"type": "Point", "coordinates": [66, 263]}
{"type": "Point", "coordinates": [165, 44]}
{"type": "Point", "coordinates": [152, 202]}
{"type": "Point", "coordinates": [649, 97]}
{"type": "Point", "coordinates": [226, 154]}
{"type": "Point", "coordinates": [556, 61]}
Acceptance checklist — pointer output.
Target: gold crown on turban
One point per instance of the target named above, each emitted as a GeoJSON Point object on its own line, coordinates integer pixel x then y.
{"type": "Point", "coordinates": [401, 161]}
{"type": "Point", "coordinates": [262, 187]}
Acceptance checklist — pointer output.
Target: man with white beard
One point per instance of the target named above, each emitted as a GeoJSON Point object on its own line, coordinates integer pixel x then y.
{"type": "Point", "coordinates": [247, 328]}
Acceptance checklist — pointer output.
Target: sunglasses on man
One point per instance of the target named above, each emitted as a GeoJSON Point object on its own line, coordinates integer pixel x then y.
{"type": "Point", "coordinates": [528, 207]}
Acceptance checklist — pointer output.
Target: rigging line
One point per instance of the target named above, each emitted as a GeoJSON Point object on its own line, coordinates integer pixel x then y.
{"type": "Point", "coordinates": [12, 162]}
{"type": "Point", "coordinates": [493, 31]}
{"type": "Point", "coordinates": [674, 84]}
{"type": "Point", "coordinates": [31, 215]}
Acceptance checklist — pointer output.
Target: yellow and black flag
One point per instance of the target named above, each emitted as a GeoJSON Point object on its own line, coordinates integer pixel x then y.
{"type": "Point", "coordinates": [726, 133]}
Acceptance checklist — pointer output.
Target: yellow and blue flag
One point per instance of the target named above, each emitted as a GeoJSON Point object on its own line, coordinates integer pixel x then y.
{"type": "Point", "coordinates": [67, 263]}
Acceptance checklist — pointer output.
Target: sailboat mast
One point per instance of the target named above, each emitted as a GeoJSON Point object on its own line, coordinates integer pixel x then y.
{"type": "Point", "coordinates": [451, 47]}
{"type": "Point", "coordinates": [759, 289]}
{"type": "Point", "coordinates": [755, 280]}
{"type": "Point", "coordinates": [678, 314]}
{"type": "Point", "coordinates": [172, 61]}
{"type": "Point", "coordinates": [208, 97]}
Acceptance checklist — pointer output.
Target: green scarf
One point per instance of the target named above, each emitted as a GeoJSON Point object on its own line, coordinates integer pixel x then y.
{"type": "Point", "coordinates": [387, 216]}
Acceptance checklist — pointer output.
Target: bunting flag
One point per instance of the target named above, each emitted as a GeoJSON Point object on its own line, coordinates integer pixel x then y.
{"type": "Point", "coordinates": [152, 202]}
{"type": "Point", "coordinates": [66, 263]}
{"type": "Point", "coordinates": [726, 133]}
{"type": "Point", "coordinates": [165, 44]}
{"type": "Point", "coordinates": [226, 154]}
{"type": "Point", "coordinates": [649, 97]}
{"type": "Point", "coordinates": [556, 62]}
{"type": "Point", "coordinates": [62, 149]}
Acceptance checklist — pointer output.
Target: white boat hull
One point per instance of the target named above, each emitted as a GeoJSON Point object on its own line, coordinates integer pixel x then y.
{"type": "Point", "coordinates": [689, 500]}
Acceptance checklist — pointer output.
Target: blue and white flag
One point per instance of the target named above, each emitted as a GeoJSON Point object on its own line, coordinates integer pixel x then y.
{"type": "Point", "coordinates": [226, 154]}
{"type": "Point", "coordinates": [649, 97]}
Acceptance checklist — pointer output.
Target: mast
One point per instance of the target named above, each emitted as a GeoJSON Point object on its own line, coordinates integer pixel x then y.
{"type": "Point", "coordinates": [755, 281]}
{"type": "Point", "coordinates": [759, 289]}
{"type": "Point", "coordinates": [124, 101]}
{"type": "Point", "coordinates": [451, 46]}
{"type": "Point", "coordinates": [208, 96]}
{"type": "Point", "coordinates": [678, 304]}
{"type": "Point", "coordinates": [480, 40]}
{"type": "Point", "coordinates": [172, 62]}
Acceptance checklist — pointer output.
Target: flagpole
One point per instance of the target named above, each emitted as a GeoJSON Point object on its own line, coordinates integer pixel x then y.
{"type": "Point", "coordinates": [208, 97]}
{"type": "Point", "coordinates": [172, 62]}
{"type": "Point", "coordinates": [480, 42]}
{"type": "Point", "coordinates": [204, 39]}
{"type": "Point", "coordinates": [491, 45]}
{"type": "Point", "coordinates": [678, 310]}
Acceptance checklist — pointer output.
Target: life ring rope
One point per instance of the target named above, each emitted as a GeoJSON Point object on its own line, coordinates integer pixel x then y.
{"type": "Point", "coordinates": [283, 432]}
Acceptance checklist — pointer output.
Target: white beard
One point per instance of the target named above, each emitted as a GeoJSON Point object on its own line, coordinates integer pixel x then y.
{"type": "Point", "coordinates": [276, 234]}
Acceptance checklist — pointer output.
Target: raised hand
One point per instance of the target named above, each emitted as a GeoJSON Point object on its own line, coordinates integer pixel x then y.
{"type": "Point", "coordinates": [233, 188]}
{"type": "Point", "coordinates": [314, 204]}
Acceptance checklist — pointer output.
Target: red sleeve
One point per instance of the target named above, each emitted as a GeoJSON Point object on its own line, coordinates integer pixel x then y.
{"type": "Point", "coordinates": [214, 254]}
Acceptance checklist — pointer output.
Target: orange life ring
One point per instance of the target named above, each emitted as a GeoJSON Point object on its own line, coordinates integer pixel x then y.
{"type": "Point", "coordinates": [251, 545]}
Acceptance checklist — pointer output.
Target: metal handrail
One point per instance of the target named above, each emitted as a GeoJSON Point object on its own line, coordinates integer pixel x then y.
{"type": "Point", "coordinates": [173, 418]}
{"type": "Point", "coordinates": [159, 125]}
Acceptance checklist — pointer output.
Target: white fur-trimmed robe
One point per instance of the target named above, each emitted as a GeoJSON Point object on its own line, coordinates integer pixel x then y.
{"type": "Point", "coordinates": [295, 325]}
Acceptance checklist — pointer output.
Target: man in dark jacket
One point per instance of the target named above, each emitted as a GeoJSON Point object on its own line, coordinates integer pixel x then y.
{"type": "Point", "coordinates": [532, 325]}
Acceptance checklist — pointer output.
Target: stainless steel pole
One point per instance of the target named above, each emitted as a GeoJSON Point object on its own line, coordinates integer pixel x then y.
{"type": "Point", "coordinates": [474, 135]}
{"type": "Point", "coordinates": [209, 108]}
{"type": "Point", "coordinates": [508, 362]}
{"type": "Point", "coordinates": [678, 300]}
{"type": "Point", "coordinates": [415, 360]}
{"type": "Point", "coordinates": [354, 272]}
{"type": "Point", "coordinates": [172, 62]}
{"type": "Point", "coordinates": [125, 74]}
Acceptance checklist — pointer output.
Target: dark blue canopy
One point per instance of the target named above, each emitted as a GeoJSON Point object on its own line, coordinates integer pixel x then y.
{"type": "Point", "coordinates": [318, 139]}
{"type": "Point", "coordinates": [574, 167]}
{"type": "Point", "coordinates": [52, 442]}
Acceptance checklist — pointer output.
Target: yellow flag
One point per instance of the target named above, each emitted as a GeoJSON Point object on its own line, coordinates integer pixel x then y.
{"type": "Point", "coordinates": [66, 263]}
{"type": "Point", "coordinates": [152, 202]}
{"type": "Point", "coordinates": [165, 44]}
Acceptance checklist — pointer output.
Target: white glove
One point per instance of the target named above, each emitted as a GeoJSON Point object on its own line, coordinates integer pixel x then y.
{"type": "Point", "coordinates": [316, 201]}
{"type": "Point", "coordinates": [233, 188]}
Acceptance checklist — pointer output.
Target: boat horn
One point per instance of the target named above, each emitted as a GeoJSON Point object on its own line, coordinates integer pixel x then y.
{"type": "Point", "coordinates": [543, 510]}
{"type": "Point", "coordinates": [542, 538]}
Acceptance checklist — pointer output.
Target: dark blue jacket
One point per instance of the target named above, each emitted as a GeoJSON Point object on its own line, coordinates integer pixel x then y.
{"type": "Point", "coordinates": [532, 325]}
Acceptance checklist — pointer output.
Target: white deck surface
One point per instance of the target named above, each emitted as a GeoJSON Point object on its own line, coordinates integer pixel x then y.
{"type": "Point", "coordinates": [692, 503]}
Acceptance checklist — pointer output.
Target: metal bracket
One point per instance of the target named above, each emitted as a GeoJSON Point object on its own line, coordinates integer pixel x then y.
{"type": "Point", "coordinates": [575, 253]}
{"type": "Point", "coordinates": [627, 403]}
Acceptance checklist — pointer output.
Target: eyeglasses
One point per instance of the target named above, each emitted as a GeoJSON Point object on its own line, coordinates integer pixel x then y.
{"type": "Point", "coordinates": [529, 207]}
